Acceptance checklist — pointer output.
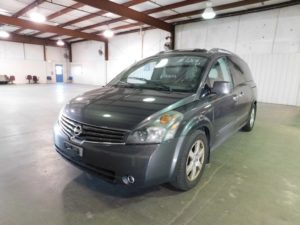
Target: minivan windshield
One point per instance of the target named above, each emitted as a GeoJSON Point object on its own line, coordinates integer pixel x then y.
{"type": "Point", "coordinates": [170, 73]}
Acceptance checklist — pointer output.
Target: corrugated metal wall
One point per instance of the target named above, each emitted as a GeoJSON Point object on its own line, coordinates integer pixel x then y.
{"type": "Point", "coordinates": [269, 41]}
{"type": "Point", "coordinates": [277, 77]}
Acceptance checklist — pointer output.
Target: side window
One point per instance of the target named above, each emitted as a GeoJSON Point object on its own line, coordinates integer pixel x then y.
{"type": "Point", "coordinates": [237, 73]}
{"type": "Point", "coordinates": [219, 72]}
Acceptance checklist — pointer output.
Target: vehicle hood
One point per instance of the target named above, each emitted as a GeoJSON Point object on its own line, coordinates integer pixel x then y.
{"type": "Point", "coordinates": [120, 108]}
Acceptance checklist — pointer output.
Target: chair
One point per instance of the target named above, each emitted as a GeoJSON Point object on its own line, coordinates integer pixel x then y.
{"type": "Point", "coordinates": [70, 79]}
{"type": "Point", "coordinates": [12, 78]}
{"type": "Point", "coordinates": [29, 78]}
{"type": "Point", "coordinates": [49, 79]}
{"type": "Point", "coordinates": [35, 79]}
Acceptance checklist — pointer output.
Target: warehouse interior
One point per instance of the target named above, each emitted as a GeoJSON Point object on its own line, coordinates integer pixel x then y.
{"type": "Point", "coordinates": [71, 47]}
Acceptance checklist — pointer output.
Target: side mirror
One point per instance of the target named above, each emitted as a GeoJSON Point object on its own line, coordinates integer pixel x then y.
{"type": "Point", "coordinates": [221, 87]}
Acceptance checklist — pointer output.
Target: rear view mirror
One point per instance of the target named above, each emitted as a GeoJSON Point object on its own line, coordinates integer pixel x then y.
{"type": "Point", "coordinates": [221, 87]}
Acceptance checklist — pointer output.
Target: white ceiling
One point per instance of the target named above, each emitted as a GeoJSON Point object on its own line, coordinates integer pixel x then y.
{"type": "Point", "coordinates": [47, 8]}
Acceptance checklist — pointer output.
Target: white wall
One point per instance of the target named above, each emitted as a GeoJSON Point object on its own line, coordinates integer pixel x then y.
{"type": "Point", "coordinates": [269, 41]}
{"type": "Point", "coordinates": [88, 66]}
{"type": "Point", "coordinates": [124, 50]}
{"type": "Point", "coordinates": [22, 59]}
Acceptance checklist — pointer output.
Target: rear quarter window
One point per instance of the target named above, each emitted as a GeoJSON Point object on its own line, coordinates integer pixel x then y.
{"type": "Point", "coordinates": [240, 70]}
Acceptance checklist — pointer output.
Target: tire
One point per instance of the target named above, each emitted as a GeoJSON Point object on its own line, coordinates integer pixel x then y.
{"type": "Point", "coordinates": [251, 120]}
{"type": "Point", "coordinates": [184, 179]}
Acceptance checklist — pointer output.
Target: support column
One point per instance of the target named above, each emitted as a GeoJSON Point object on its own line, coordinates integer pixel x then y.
{"type": "Point", "coordinates": [45, 53]}
{"type": "Point", "coordinates": [106, 53]}
{"type": "Point", "coordinates": [70, 53]}
{"type": "Point", "coordinates": [173, 38]}
{"type": "Point", "coordinates": [106, 57]}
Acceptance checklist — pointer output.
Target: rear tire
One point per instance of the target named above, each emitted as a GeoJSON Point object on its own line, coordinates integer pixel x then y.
{"type": "Point", "coordinates": [251, 120]}
{"type": "Point", "coordinates": [191, 163]}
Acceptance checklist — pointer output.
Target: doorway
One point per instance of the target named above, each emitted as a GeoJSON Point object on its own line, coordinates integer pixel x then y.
{"type": "Point", "coordinates": [59, 72]}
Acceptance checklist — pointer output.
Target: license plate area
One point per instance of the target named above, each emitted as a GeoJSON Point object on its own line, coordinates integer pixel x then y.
{"type": "Point", "coordinates": [73, 150]}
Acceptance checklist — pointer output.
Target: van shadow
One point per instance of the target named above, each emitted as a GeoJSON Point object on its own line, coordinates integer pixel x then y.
{"type": "Point", "coordinates": [88, 193]}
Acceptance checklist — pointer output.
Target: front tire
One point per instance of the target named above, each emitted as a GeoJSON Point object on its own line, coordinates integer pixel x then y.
{"type": "Point", "coordinates": [251, 120]}
{"type": "Point", "coordinates": [191, 163]}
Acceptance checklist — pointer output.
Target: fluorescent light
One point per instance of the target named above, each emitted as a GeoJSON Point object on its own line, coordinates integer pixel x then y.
{"type": "Point", "coordinates": [4, 12]}
{"type": "Point", "coordinates": [108, 33]}
{"type": "Point", "coordinates": [107, 115]}
{"type": "Point", "coordinates": [111, 15]}
{"type": "Point", "coordinates": [148, 99]}
{"type": "Point", "coordinates": [209, 12]}
{"type": "Point", "coordinates": [37, 17]}
{"type": "Point", "coordinates": [4, 34]}
{"type": "Point", "coordinates": [60, 43]}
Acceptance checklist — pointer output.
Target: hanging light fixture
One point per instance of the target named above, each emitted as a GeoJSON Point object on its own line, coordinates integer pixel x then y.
{"type": "Point", "coordinates": [37, 17]}
{"type": "Point", "coordinates": [60, 43]}
{"type": "Point", "coordinates": [209, 12]}
{"type": "Point", "coordinates": [108, 33]}
{"type": "Point", "coordinates": [4, 33]}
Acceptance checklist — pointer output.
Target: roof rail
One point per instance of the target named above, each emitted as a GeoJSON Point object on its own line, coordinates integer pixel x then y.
{"type": "Point", "coordinates": [199, 50]}
{"type": "Point", "coordinates": [216, 50]}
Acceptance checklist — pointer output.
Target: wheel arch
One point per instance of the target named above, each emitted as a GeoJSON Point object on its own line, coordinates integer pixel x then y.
{"type": "Point", "coordinates": [201, 123]}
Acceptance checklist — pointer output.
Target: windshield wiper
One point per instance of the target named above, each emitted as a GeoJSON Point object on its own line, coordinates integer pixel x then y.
{"type": "Point", "coordinates": [152, 82]}
{"type": "Point", "coordinates": [121, 83]}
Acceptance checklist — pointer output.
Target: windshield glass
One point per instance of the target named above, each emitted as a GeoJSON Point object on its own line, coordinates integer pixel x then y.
{"type": "Point", "coordinates": [171, 73]}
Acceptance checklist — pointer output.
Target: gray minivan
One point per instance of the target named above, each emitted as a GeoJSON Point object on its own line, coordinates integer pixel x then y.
{"type": "Point", "coordinates": [159, 120]}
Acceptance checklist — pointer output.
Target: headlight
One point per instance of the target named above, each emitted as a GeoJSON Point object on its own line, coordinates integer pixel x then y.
{"type": "Point", "coordinates": [157, 130]}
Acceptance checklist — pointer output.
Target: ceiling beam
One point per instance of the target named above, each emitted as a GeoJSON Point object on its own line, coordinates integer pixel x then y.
{"type": "Point", "coordinates": [191, 13]}
{"type": "Point", "coordinates": [128, 13]}
{"type": "Point", "coordinates": [242, 12]}
{"type": "Point", "coordinates": [28, 8]}
{"type": "Point", "coordinates": [48, 28]}
{"type": "Point", "coordinates": [30, 40]}
{"type": "Point", "coordinates": [149, 11]}
{"type": "Point", "coordinates": [216, 8]}
{"type": "Point", "coordinates": [57, 14]}
{"type": "Point", "coordinates": [65, 11]}
{"type": "Point", "coordinates": [93, 15]}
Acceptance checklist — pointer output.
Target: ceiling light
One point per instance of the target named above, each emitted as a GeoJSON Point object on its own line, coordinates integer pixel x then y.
{"type": "Point", "coordinates": [37, 17]}
{"type": "Point", "coordinates": [109, 14]}
{"type": "Point", "coordinates": [4, 12]}
{"type": "Point", "coordinates": [60, 43]}
{"type": "Point", "coordinates": [209, 12]}
{"type": "Point", "coordinates": [148, 99]}
{"type": "Point", "coordinates": [108, 33]}
{"type": "Point", "coordinates": [4, 34]}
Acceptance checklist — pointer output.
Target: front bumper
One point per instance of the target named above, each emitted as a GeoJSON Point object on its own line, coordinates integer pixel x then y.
{"type": "Point", "coordinates": [149, 164]}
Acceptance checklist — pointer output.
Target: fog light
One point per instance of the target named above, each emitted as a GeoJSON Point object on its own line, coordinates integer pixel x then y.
{"type": "Point", "coordinates": [131, 179]}
{"type": "Point", "coordinates": [128, 180]}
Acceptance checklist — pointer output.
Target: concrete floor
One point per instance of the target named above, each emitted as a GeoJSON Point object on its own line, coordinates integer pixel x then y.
{"type": "Point", "coordinates": [254, 178]}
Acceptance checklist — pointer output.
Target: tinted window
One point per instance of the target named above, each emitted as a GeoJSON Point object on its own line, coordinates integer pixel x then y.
{"type": "Point", "coordinates": [240, 70]}
{"type": "Point", "coordinates": [219, 72]}
{"type": "Point", "coordinates": [237, 73]}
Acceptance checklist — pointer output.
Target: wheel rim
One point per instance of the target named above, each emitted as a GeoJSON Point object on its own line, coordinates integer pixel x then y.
{"type": "Point", "coordinates": [252, 117]}
{"type": "Point", "coordinates": [195, 160]}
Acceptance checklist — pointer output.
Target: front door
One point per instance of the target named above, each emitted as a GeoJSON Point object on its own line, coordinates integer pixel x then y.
{"type": "Point", "coordinates": [224, 105]}
{"type": "Point", "coordinates": [59, 72]}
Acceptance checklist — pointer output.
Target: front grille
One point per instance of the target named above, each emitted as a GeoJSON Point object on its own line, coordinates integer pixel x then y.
{"type": "Point", "coordinates": [92, 133]}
